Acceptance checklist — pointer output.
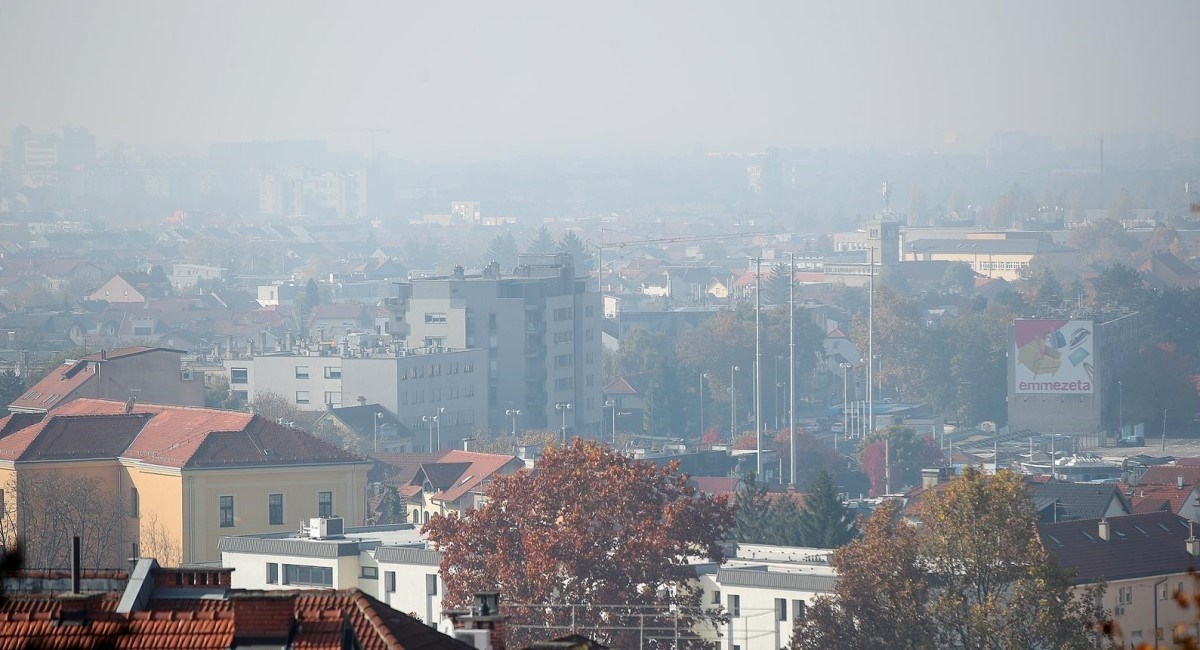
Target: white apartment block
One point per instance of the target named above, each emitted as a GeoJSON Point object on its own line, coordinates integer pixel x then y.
{"type": "Point", "coordinates": [540, 329]}
{"type": "Point", "coordinates": [416, 385]}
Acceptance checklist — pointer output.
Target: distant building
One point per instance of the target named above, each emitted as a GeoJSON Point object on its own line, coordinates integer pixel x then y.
{"type": "Point", "coordinates": [995, 254]}
{"type": "Point", "coordinates": [153, 375]}
{"type": "Point", "coordinates": [1062, 372]}
{"type": "Point", "coordinates": [540, 328]}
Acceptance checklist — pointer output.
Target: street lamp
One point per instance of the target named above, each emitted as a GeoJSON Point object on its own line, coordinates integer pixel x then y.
{"type": "Point", "coordinates": [435, 419]}
{"type": "Point", "coordinates": [608, 403]}
{"type": "Point", "coordinates": [1120, 408]}
{"type": "Point", "coordinates": [378, 417]}
{"type": "Point", "coordinates": [703, 376]}
{"type": "Point", "coordinates": [513, 413]}
{"type": "Point", "coordinates": [564, 407]}
{"type": "Point", "coordinates": [428, 419]}
{"type": "Point", "coordinates": [845, 366]}
{"type": "Point", "coordinates": [732, 405]}
{"type": "Point", "coordinates": [778, 387]}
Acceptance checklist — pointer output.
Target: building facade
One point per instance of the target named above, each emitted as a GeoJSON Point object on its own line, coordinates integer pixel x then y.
{"type": "Point", "coordinates": [540, 328]}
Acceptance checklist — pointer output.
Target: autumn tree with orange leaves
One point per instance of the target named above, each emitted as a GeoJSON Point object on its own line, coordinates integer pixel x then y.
{"type": "Point", "coordinates": [591, 541]}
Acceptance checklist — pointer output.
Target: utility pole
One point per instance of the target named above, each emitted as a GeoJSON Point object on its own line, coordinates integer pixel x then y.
{"type": "Point", "coordinates": [758, 364]}
{"type": "Point", "coordinates": [792, 369]}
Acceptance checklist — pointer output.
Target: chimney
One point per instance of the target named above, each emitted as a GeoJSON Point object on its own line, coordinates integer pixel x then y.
{"type": "Point", "coordinates": [1193, 544]}
{"type": "Point", "coordinates": [1105, 534]}
{"type": "Point", "coordinates": [930, 478]}
{"type": "Point", "coordinates": [1179, 482]}
{"type": "Point", "coordinates": [76, 562]}
{"type": "Point", "coordinates": [467, 443]}
{"type": "Point", "coordinates": [484, 615]}
{"type": "Point", "coordinates": [103, 354]}
{"type": "Point", "coordinates": [129, 404]}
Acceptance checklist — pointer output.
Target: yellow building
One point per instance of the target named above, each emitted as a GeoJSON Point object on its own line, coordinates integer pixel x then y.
{"type": "Point", "coordinates": [994, 254]}
{"type": "Point", "coordinates": [163, 481]}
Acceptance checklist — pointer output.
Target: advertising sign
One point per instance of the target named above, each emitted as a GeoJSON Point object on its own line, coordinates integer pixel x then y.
{"type": "Point", "coordinates": [1054, 356]}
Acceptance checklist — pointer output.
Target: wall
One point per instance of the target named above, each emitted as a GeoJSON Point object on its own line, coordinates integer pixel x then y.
{"type": "Point", "coordinates": [250, 487]}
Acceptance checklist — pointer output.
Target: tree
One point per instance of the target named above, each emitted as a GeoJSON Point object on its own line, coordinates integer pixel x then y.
{"type": "Point", "coordinates": [880, 594]}
{"type": "Point", "coordinates": [45, 509]}
{"type": "Point", "coordinates": [1156, 380]}
{"type": "Point", "coordinates": [775, 286]}
{"type": "Point", "coordinates": [752, 515]}
{"type": "Point", "coordinates": [995, 585]}
{"type": "Point", "coordinates": [12, 386]}
{"type": "Point", "coordinates": [959, 278]}
{"type": "Point", "coordinates": [591, 528]}
{"type": "Point", "coordinates": [909, 452]}
{"type": "Point", "coordinates": [270, 405]}
{"type": "Point", "coordinates": [503, 250]}
{"type": "Point", "coordinates": [974, 576]}
{"type": "Point", "coordinates": [574, 246]}
{"type": "Point", "coordinates": [543, 242]}
{"type": "Point", "coordinates": [217, 394]}
{"type": "Point", "coordinates": [825, 522]}
{"type": "Point", "coordinates": [1122, 286]}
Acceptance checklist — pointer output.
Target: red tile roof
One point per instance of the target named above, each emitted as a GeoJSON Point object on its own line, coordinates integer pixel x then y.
{"type": "Point", "coordinates": [1140, 545]}
{"type": "Point", "coordinates": [1151, 498]}
{"type": "Point", "coordinates": [480, 468]}
{"type": "Point", "coordinates": [1168, 475]}
{"type": "Point", "coordinates": [171, 436]}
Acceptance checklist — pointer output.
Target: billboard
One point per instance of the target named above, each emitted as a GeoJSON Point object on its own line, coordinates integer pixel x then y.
{"type": "Point", "coordinates": [1054, 356]}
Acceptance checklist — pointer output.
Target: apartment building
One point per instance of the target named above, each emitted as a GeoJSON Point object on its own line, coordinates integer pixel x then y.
{"type": "Point", "coordinates": [540, 328]}
{"type": "Point", "coordinates": [181, 476]}
{"type": "Point", "coordinates": [442, 392]}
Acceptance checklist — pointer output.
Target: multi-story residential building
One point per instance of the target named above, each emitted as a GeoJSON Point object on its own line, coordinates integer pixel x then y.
{"type": "Point", "coordinates": [455, 482]}
{"type": "Point", "coordinates": [439, 391]}
{"type": "Point", "coordinates": [184, 476]}
{"type": "Point", "coordinates": [541, 330]}
{"type": "Point", "coordinates": [765, 590]}
{"type": "Point", "coordinates": [154, 375]}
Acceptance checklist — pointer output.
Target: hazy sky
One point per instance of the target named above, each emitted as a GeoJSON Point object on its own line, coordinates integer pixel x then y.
{"type": "Point", "coordinates": [485, 79]}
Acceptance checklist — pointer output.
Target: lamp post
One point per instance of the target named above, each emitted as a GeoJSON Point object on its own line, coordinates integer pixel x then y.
{"type": "Point", "coordinates": [437, 420]}
{"type": "Point", "coordinates": [428, 419]}
{"type": "Point", "coordinates": [608, 403]}
{"type": "Point", "coordinates": [377, 418]}
{"type": "Point", "coordinates": [564, 407]}
{"type": "Point", "coordinates": [732, 405]}
{"type": "Point", "coordinates": [778, 387]}
{"type": "Point", "coordinates": [513, 413]}
{"type": "Point", "coordinates": [703, 376]}
{"type": "Point", "coordinates": [845, 366]}
{"type": "Point", "coordinates": [1120, 408]}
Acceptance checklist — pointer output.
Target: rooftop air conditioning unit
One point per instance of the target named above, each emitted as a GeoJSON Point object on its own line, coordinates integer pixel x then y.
{"type": "Point", "coordinates": [479, 639]}
{"type": "Point", "coordinates": [186, 374]}
{"type": "Point", "coordinates": [326, 527]}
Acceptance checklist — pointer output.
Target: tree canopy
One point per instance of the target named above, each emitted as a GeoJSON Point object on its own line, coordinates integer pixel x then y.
{"type": "Point", "coordinates": [591, 528]}
{"type": "Point", "coordinates": [974, 576]}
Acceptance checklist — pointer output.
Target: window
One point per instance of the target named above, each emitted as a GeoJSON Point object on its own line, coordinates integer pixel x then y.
{"type": "Point", "coordinates": [781, 609]}
{"type": "Point", "coordinates": [133, 503]}
{"type": "Point", "coordinates": [239, 376]}
{"type": "Point", "coordinates": [435, 318]}
{"type": "Point", "coordinates": [226, 512]}
{"type": "Point", "coordinates": [716, 599]}
{"type": "Point", "coordinates": [302, 397]}
{"type": "Point", "coordinates": [389, 581]}
{"type": "Point", "coordinates": [300, 574]}
{"type": "Point", "coordinates": [734, 605]}
{"type": "Point", "coordinates": [370, 573]}
{"type": "Point", "coordinates": [324, 504]}
{"type": "Point", "coordinates": [333, 372]}
{"type": "Point", "coordinates": [301, 372]}
{"type": "Point", "coordinates": [333, 398]}
{"type": "Point", "coordinates": [135, 550]}
{"type": "Point", "coordinates": [272, 573]}
{"type": "Point", "coordinates": [797, 609]}
{"type": "Point", "coordinates": [275, 509]}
